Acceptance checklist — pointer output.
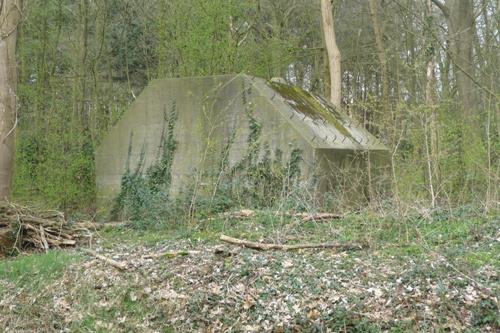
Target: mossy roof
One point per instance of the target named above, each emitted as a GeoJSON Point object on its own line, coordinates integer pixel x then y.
{"type": "Point", "coordinates": [320, 123]}
{"type": "Point", "coordinates": [317, 121]}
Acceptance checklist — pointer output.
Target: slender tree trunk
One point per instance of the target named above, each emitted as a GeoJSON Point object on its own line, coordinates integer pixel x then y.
{"type": "Point", "coordinates": [161, 48]}
{"type": "Point", "coordinates": [430, 101]}
{"type": "Point", "coordinates": [382, 57]}
{"type": "Point", "coordinates": [327, 83]}
{"type": "Point", "coordinates": [444, 69]}
{"type": "Point", "coordinates": [332, 49]}
{"type": "Point", "coordinates": [428, 157]}
{"type": "Point", "coordinates": [411, 71]}
{"type": "Point", "coordinates": [10, 16]}
{"type": "Point", "coordinates": [83, 109]}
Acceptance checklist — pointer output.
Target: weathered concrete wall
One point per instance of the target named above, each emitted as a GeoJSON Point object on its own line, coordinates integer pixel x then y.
{"type": "Point", "coordinates": [242, 98]}
{"type": "Point", "coordinates": [211, 111]}
{"type": "Point", "coordinates": [224, 121]}
{"type": "Point", "coordinates": [353, 176]}
{"type": "Point", "coordinates": [215, 111]}
{"type": "Point", "coordinates": [143, 123]}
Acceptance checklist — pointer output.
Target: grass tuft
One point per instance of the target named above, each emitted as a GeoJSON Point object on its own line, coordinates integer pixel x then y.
{"type": "Point", "coordinates": [33, 271]}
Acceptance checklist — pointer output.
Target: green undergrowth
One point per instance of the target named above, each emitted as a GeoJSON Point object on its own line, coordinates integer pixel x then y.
{"type": "Point", "coordinates": [467, 241]}
{"type": "Point", "coordinates": [458, 244]}
{"type": "Point", "coordinates": [467, 237]}
{"type": "Point", "coordinates": [35, 270]}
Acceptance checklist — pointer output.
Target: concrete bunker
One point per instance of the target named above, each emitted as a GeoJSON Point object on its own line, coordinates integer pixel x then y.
{"type": "Point", "coordinates": [215, 119]}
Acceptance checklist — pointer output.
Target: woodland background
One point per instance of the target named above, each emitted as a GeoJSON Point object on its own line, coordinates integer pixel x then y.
{"type": "Point", "coordinates": [421, 75]}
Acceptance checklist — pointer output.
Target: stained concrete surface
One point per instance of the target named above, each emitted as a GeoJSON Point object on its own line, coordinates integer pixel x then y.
{"type": "Point", "coordinates": [213, 111]}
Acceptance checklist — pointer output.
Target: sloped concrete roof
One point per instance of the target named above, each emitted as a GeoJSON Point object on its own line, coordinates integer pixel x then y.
{"type": "Point", "coordinates": [318, 122]}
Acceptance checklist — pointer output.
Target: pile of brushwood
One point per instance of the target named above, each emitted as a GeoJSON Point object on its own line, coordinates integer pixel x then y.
{"type": "Point", "coordinates": [22, 228]}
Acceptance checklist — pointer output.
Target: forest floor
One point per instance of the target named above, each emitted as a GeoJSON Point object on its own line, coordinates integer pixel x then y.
{"type": "Point", "coordinates": [426, 273]}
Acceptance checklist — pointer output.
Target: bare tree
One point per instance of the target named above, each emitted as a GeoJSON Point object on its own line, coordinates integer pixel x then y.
{"type": "Point", "coordinates": [430, 128]}
{"type": "Point", "coordinates": [10, 16]}
{"type": "Point", "coordinates": [333, 52]}
{"type": "Point", "coordinates": [382, 57]}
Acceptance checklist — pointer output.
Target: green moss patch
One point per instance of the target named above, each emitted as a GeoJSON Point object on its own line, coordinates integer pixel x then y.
{"type": "Point", "coordinates": [305, 103]}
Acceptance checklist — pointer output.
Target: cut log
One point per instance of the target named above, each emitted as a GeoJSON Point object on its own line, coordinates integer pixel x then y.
{"type": "Point", "coordinates": [285, 247]}
{"type": "Point", "coordinates": [121, 266]}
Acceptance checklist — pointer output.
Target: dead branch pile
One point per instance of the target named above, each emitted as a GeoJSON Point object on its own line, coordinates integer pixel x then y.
{"type": "Point", "coordinates": [24, 228]}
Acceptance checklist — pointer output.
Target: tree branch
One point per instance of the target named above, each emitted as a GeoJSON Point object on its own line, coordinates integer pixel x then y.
{"type": "Point", "coordinates": [442, 7]}
{"type": "Point", "coordinates": [283, 247]}
{"type": "Point", "coordinates": [121, 266]}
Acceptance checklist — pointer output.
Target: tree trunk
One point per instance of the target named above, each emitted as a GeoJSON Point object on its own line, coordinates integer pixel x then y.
{"type": "Point", "coordinates": [333, 53]}
{"type": "Point", "coordinates": [382, 57]}
{"type": "Point", "coordinates": [460, 17]}
{"type": "Point", "coordinates": [430, 101]}
{"type": "Point", "coordinates": [83, 111]}
{"type": "Point", "coordinates": [462, 29]}
{"type": "Point", "coordinates": [10, 16]}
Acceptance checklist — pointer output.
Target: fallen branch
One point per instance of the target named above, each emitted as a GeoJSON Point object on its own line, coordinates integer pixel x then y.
{"type": "Point", "coordinates": [307, 217]}
{"type": "Point", "coordinates": [284, 247]}
{"type": "Point", "coordinates": [170, 254]}
{"type": "Point", "coordinates": [111, 262]}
